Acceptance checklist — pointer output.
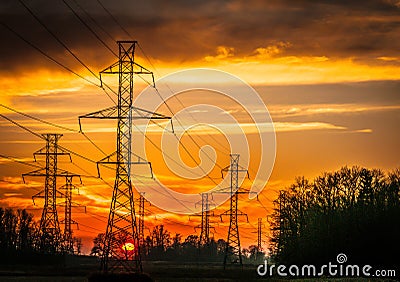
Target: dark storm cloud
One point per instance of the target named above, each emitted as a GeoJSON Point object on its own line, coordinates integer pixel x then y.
{"type": "Point", "coordinates": [185, 30]}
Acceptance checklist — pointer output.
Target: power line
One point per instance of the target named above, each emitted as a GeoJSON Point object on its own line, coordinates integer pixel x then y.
{"type": "Point", "coordinates": [74, 153]}
{"type": "Point", "coordinates": [169, 108]}
{"type": "Point", "coordinates": [41, 137]}
{"type": "Point", "coordinates": [168, 194]}
{"type": "Point", "coordinates": [159, 149]}
{"type": "Point", "coordinates": [22, 127]}
{"type": "Point", "coordinates": [65, 46]}
{"type": "Point", "coordinates": [93, 228]}
{"type": "Point", "coordinates": [54, 125]}
{"type": "Point", "coordinates": [56, 37]}
{"type": "Point", "coordinates": [38, 119]}
{"type": "Point", "coordinates": [94, 20]}
{"type": "Point", "coordinates": [67, 150]}
{"type": "Point", "coordinates": [57, 62]}
{"type": "Point", "coordinates": [191, 137]}
{"type": "Point", "coordinates": [114, 19]}
{"type": "Point", "coordinates": [46, 55]}
{"type": "Point", "coordinates": [263, 206]}
{"type": "Point", "coordinates": [177, 98]}
{"type": "Point", "coordinates": [14, 159]}
{"type": "Point", "coordinates": [89, 28]}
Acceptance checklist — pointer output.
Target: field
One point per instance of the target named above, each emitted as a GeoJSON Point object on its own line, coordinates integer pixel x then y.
{"type": "Point", "coordinates": [80, 268]}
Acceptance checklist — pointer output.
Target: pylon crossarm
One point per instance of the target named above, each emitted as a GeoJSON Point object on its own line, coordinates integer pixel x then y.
{"type": "Point", "coordinates": [225, 169]}
{"type": "Point", "coordinates": [73, 186]}
{"type": "Point", "coordinates": [225, 213]}
{"type": "Point", "coordinates": [77, 205]}
{"type": "Point", "coordinates": [242, 169]}
{"type": "Point", "coordinates": [42, 172]}
{"type": "Point", "coordinates": [37, 195]}
{"type": "Point", "coordinates": [150, 115]}
{"type": "Point", "coordinates": [240, 213]}
{"type": "Point", "coordinates": [60, 194]}
{"type": "Point", "coordinates": [72, 222]}
{"type": "Point", "coordinates": [38, 172]}
{"type": "Point", "coordinates": [107, 113]}
{"type": "Point", "coordinates": [103, 161]}
{"type": "Point", "coordinates": [114, 69]}
{"type": "Point", "coordinates": [112, 113]}
{"type": "Point", "coordinates": [151, 170]}
{"type": "Point", "coordinates": [228, 191]}
{"type": "Point", "coordinates": [61, 172]}
{"type": "Point", "coordinates": [107, 159]}
{"type": "Point", "coordinates": [42, 152]}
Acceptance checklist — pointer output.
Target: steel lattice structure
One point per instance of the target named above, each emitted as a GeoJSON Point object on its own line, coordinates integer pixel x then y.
{"type": "Point", "coordinates": [259, 233]}
{"type": "Point", "coordinates": [122, 226]}
{"type": "Point", "coordinates": [141, 219]}
{"type": "Point", "coordinates": [233, 250]}
{"type": "Point", "coordinates": [51, 240]}
{"type": "Point", "coordinates": [68, 239]}
{"type": "Point", "coordinates": [205, 225]}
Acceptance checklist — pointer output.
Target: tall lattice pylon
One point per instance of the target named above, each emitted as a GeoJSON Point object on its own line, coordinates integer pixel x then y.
{"type": "Point", "coordinates": [141, 218]}
{"type": "Point", "coordinates": [50, 235]}
{"type": "Point", "coordinates": [259, 233]}
{"type": "Point", "coordinates": [68, 222]}
{"type": "Point", "coordinates": [233, 251]}
{"type": "Point", "coordinates": [121, 244]}
{"type": "Point", "coordinates": [205, 225]}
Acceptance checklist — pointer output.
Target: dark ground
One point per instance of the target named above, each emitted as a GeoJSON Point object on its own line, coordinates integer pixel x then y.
{"type": "Point", "coordinates": [80, 268]}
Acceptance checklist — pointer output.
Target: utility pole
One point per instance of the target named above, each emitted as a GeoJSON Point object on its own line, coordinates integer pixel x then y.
{"type": "Point", "coordinates": [50, 235]}
{"type": "Point", "coordinates": [121, 246]}
{"type": "Point", "coordinates": [233, 249]}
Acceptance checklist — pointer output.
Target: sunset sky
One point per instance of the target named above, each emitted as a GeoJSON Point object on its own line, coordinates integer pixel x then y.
{"type": "Point", "coordinates": [328, 71]}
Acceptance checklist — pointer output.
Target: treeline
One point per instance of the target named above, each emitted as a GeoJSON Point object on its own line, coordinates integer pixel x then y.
{"type": "Point", "coordinates": [22, 241]}
{"type": "Point", "coordinates": [17, 232]}
{"type": "Point", "coordinates": [355, 211]}
{"type": "Point", "coordinates": [161, 245]}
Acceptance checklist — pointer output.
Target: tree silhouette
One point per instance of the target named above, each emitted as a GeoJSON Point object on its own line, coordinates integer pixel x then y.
{"type": "Point", "coordinates": [354, 211]}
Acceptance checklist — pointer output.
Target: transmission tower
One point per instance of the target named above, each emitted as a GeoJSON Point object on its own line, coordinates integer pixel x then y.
{"type": "Point", "coordinates": [206, 213]}
{"type": "Point", "coordinates": [121, 246]}
{"type": "Point", "coordinates": [68, 221]}
{"type": "Point", "coordinates": [141, 218]}
{"type": "Point", "coordinates": [50, 235]}
{"type": "Point", "coordinates": [233, 250]}
{"type": "Point", "coordinates": [259, 233]}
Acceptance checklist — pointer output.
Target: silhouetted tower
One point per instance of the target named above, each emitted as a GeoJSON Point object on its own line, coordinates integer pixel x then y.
{"type": "Point", "coordinates": [121, 246]}
{"type": "Point", "coordinates": [259, 233]}
{"type": "Point", "coordinates": [205, 219]}
{"type": "Point", "coordinates": [233, 250]}
{"type": "Point", "coordinates": [141, 218]}
{"type": "Point", "coordinates": [50, 235]}
{"type": "Point", "coordinates": [68, 221]}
